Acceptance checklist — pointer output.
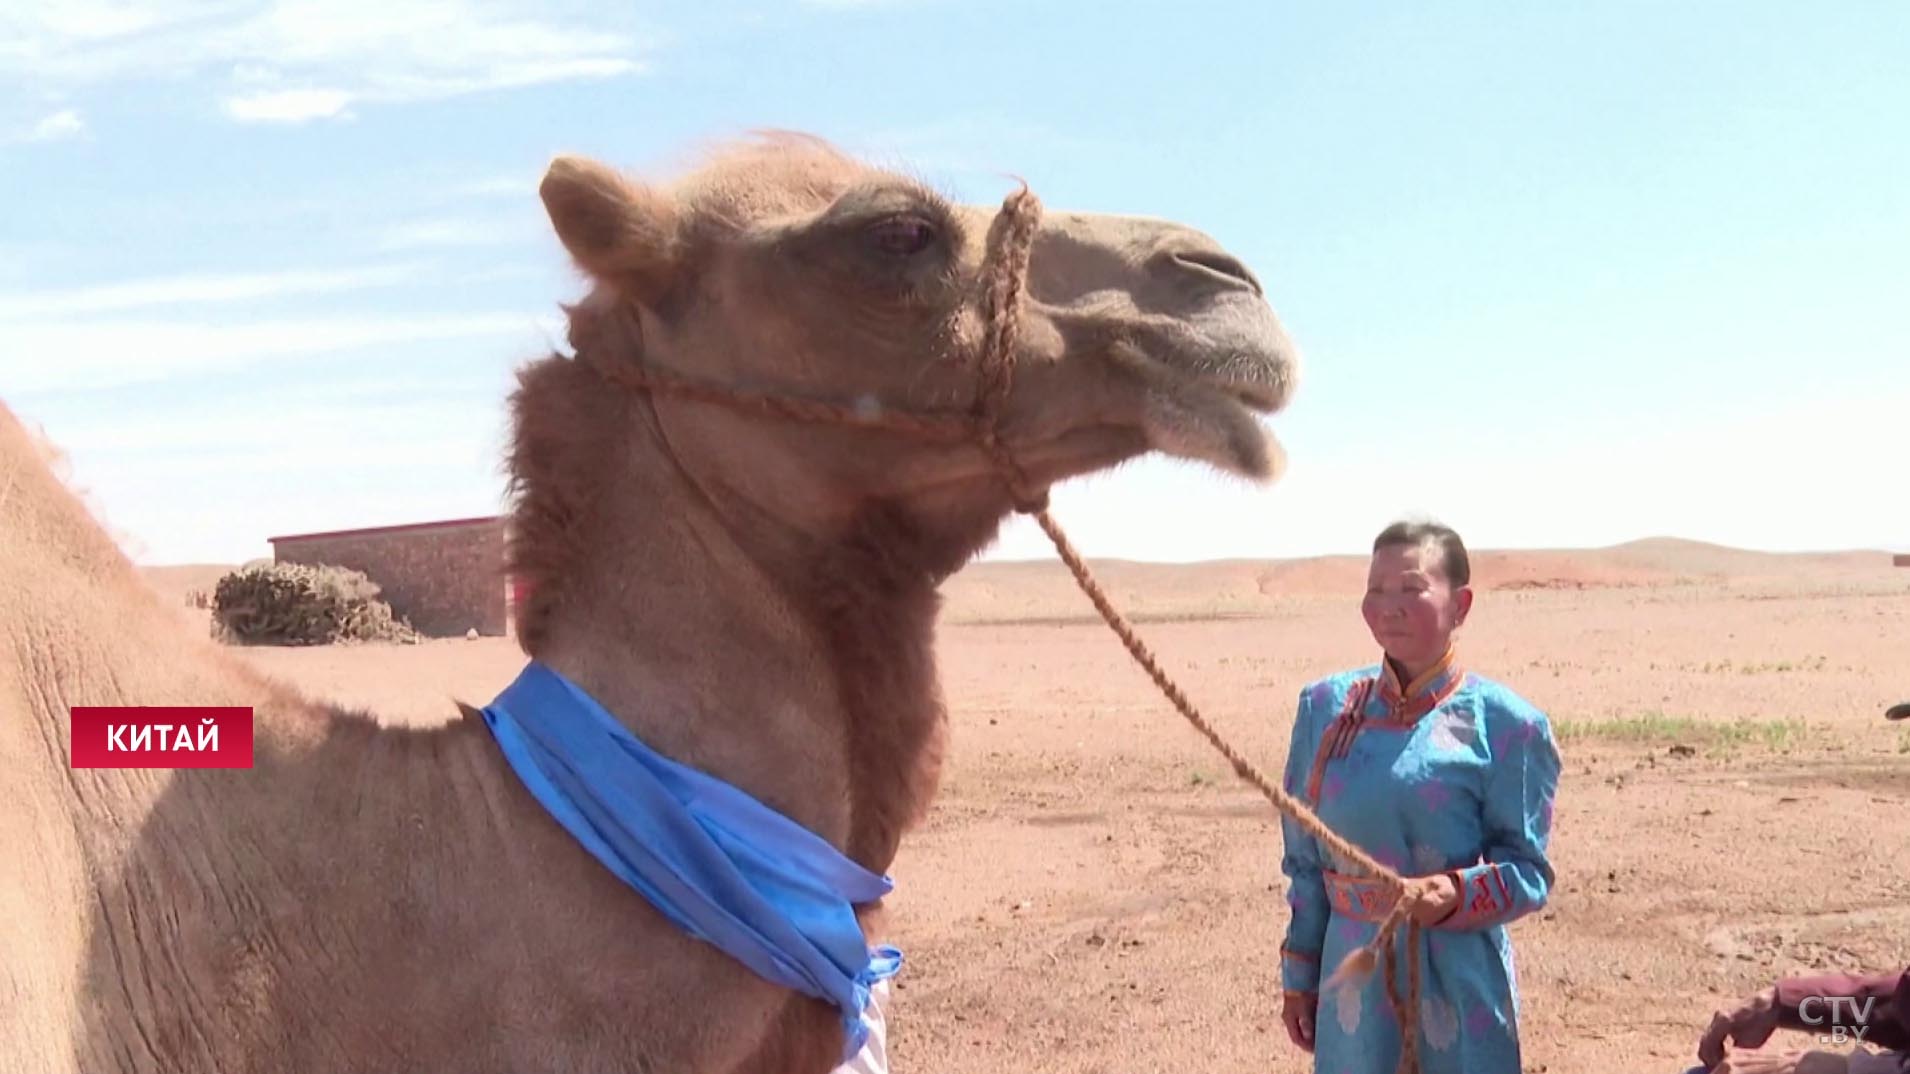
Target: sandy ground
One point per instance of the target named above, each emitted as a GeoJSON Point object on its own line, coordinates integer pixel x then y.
{"type": "Point", "coordinates": [1096, 892]}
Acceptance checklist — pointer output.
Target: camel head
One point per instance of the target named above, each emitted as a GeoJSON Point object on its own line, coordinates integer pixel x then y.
{"type": "Point", "coordinates": [784, 267]}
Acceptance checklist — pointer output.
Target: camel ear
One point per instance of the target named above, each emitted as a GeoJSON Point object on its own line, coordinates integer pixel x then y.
{"type": "Point", "coordinates": [617, 231]}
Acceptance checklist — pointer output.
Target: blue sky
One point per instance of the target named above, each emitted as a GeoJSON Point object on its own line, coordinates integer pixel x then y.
{"type": "Point", "coordinates": [1563, 275]}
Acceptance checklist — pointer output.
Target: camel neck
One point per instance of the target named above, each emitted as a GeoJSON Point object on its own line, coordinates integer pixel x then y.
{"type": "Point", "coordinates": [871, 596]}
{"type": "Point", "coordinates": [788, 664]}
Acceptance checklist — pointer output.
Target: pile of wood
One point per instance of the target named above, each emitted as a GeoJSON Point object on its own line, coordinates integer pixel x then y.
{"type": "Point", "coordinates": [299, 604]}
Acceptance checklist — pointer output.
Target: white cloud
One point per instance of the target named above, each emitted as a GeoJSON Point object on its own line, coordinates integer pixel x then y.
{"type": "Point", "coordinates": [210, 482]}
{"type": "Point", "coordinates": [177, 290]}
{"type": "Point", "coordinates": [294, 60]}
{"type": "Point", "coordinates": [100, 21]}
{"type": "Point", "coordinates": [66, 123]}
{"type": "Point", "coordinates": [454, 231]}
{"type": "Point", "coordinates": [288, 106]}
{"type": "Point", "coordinates": [306, 432]}
{"type": "Point", "coordinates": [48, 356]}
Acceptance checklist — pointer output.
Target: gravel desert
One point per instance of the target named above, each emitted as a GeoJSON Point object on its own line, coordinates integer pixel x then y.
{"type": "Point", "coordinates": [1094, 891]}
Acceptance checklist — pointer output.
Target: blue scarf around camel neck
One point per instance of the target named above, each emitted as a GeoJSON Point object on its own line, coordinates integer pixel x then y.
{"type": "Point", "coordinates": [720, 865]}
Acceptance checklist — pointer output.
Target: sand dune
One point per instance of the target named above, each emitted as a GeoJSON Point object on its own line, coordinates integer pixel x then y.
{"type": "Point", "coordinates": [1041, 589]}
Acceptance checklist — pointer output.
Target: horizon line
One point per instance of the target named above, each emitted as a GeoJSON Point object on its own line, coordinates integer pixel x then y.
{"type": "Point", "coordinates": [1885, 550]}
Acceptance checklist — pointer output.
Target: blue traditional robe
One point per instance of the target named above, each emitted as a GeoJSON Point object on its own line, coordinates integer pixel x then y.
{"type": "Point", "coordinates": [1453, 773]}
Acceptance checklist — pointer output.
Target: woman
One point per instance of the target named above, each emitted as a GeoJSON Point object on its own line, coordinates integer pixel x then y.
{"type": "Point", "coordinates": [1443, 776]}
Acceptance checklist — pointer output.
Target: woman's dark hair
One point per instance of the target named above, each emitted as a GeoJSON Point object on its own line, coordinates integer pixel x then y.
{"type": "Point", "coordinates": [1412, 534]}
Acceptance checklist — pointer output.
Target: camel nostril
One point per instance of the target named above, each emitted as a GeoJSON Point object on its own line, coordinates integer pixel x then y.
{"type": "Point", "coordinates": [1213, 262]}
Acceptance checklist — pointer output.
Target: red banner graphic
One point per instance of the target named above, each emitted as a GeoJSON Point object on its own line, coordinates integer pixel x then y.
{"type": "Point", "coordinates": [162, 736]}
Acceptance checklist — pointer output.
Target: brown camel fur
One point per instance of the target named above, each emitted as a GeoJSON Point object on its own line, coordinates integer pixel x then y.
{"type": "Point", "coordinates": [752, 596]}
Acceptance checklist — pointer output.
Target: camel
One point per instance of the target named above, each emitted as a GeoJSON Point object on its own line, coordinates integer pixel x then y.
{"type": "Point", "coordinates": [753, 597]}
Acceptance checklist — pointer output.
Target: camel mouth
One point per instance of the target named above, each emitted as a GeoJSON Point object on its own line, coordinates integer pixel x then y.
{"type": "Point", "coordinates": [1261, 397]}
{"type": "Point", "coordinates": [1217, 417]}
{"type": "Point", "coordinates": [1246, 356]}
{"type": "Point", "coordinates": [1202, 395]}
{"type": "Point", "coordinates": [1258, 385]}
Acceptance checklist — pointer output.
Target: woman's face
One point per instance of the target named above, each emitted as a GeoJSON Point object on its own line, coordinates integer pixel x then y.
{"type": "Point", "coordinates": [1410, 606]}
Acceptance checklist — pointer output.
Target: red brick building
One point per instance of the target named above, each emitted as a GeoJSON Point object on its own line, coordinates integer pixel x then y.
{"type": "Point", "coordinates": [445, 577]}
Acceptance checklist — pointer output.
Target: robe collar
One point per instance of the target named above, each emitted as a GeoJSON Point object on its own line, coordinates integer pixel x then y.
{"type": "Point", "coordinates": [1406, 703]}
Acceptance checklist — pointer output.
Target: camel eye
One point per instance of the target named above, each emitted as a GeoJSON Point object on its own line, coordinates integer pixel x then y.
{"type": "Point", "coordinates": [902, 235]}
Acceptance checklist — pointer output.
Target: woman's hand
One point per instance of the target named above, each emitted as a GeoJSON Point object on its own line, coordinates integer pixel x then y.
{"type": "Point", "coordinates": [1297, 1010]}
{"type": "Point", "coordinates": [1433, 898]}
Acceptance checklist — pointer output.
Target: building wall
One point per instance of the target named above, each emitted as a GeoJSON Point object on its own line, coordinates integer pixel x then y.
{"type": "Point", "coordinates": [444, 579]}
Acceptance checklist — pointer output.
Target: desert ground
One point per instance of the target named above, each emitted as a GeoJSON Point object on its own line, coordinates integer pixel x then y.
{"type": "Point", "coordinates": [1096, 892]}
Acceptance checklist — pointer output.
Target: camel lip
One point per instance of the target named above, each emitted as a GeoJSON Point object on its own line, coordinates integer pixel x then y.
{"type": "Point", "coordinates": [1257, 397]}
{"type": "Point", "coordinates": [1262, 393]}
{"type": "Point", "coordinates": [1255, 383]}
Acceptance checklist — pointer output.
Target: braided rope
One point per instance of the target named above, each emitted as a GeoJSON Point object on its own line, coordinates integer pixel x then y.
{"type": "Point", "coordinates": [1243, 767]}
{"type": "Point", "coordinates": [1009, 247]}
{"type": "Point", "coordinates": [946, 426]}
{"type": "Point", "coordinates": [1010, 244]}
{"type": "Point", "coordinates": [1359, 962]}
